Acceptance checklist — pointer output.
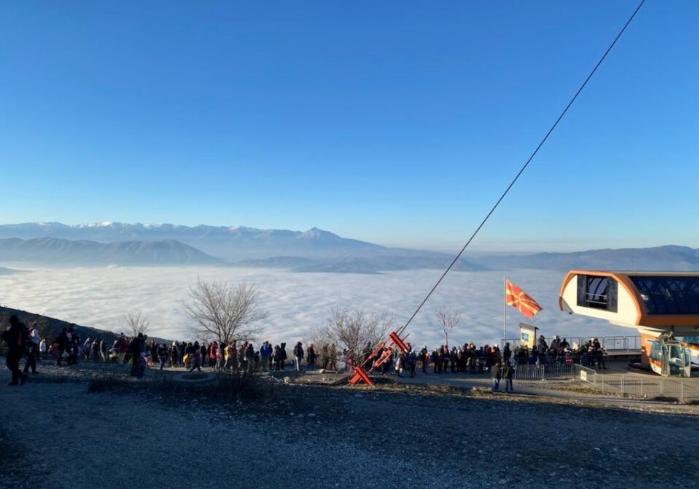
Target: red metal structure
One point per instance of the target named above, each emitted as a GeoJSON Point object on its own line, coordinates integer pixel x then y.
{"type": "Point", "coordinates": [360, 375]}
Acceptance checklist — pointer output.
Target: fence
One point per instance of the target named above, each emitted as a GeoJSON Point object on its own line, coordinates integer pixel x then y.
{"type": "Point", "coordinates": [542, 372]}
{"type": "Point", "coordinates": [640, 386]}
{"type": "Point", "coordinates": [609, 343]}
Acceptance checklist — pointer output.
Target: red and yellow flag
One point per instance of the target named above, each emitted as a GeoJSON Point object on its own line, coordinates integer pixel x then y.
{"type": "Point", "coordinates": [515, 297]}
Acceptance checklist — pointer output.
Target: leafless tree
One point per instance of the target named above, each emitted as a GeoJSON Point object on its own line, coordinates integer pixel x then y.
{"type": "Point", "coordinates": [448, 319]}
{"type": "Point", "coordinates": [352, 330]}
{"type": "Point", "coordinates": [135, 323]}
{"type": "Point", "coordinates": [224, 312]}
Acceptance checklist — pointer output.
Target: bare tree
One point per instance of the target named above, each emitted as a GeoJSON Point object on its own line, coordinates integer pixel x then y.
{"type": "Point", "coordinates": [224, 312]}
{"type": "Point", "coordinates": [448, 319]}
{"type": "Point", "coordinates": [136, 323]}
{"type": "Point", "coordinates": [353, 330]}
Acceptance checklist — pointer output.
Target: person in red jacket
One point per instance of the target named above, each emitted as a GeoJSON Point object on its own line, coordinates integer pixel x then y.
{"type": "Point", "coordinates": [122, 347]}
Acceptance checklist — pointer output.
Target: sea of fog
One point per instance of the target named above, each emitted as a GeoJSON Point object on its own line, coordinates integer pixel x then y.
{"type": "Point", "coordinates": [297, 302]}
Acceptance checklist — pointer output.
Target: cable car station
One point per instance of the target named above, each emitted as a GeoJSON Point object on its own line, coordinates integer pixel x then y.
{"type": "Point", "coordinates": [662, 306]}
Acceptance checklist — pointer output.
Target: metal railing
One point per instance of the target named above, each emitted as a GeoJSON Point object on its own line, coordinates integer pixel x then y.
{"type": "Point", "coordinates": [609, 343]}
{"type": "Point", "coordinates": [543, 372]}
{"type": "Point", "coordinates": [639, 386]}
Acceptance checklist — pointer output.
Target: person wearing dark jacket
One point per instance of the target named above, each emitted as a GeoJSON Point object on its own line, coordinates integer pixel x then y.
{"type": "Point", "coordinates": [311, 358]}
{"type": "Point", "coordinates": [135, 348]}
{"type": "Point", "coordinates": [282, 349]}
{"type": "Point", "coordinates": [62, 342]}
{"type": "Point", "coordinates": [298, 355]}
{"type": "Point", "coordinates": [495, 374]}
{"type": "Point", "coordinates": [506, 353]}
{"type": "Point", "coordinates": [507, 372]}
{"type": "Point", "coordinates": [15, 337]}
{"type": "Point", "coordinates": [250, 357]}
{"type": "Point", "coordinates": [277, 357]}
{"type": "Point", "coordinates": [162, 354]}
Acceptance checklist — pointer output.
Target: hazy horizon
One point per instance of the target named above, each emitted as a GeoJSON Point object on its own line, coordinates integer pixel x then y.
{"type": "Point", "coordinates": [478, 248]}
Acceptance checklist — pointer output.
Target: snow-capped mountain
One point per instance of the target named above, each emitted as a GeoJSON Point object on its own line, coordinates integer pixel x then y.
{"type": "Point", "coordinates": [229, 243]}
{"type": "Point", "coordinates": [314, 250]}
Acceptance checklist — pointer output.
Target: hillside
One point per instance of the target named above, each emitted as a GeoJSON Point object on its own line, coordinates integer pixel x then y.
{"type": "Point", "coordinates": [50, 327]}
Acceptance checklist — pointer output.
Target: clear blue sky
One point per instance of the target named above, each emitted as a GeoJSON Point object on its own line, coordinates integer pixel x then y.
{"type": "Point", "coordinates": [397, 122]}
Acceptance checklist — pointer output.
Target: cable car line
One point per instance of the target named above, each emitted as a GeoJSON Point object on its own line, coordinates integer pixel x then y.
{"type": "Point", "coordinates": [529, 160]}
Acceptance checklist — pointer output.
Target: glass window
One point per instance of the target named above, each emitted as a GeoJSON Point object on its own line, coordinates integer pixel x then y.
{"type": "Point", "coordinates": [597, 292]}
{"type": "Point", "coordinates": [668, 295]}
{"type": "Point", "coordinates": [655, 351]}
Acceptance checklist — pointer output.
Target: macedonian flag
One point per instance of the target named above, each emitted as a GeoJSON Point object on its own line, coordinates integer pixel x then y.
{"type": "Point", "coordinates": [515, 297]}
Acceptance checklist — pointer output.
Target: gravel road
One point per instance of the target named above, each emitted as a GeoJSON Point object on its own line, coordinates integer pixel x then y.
{"type": "Point", "coordinates": [58, 435]}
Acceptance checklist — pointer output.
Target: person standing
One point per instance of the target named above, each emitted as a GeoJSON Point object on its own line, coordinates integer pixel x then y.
{"type": "Point", "coordinates": [15, 337]}
{"type": "Point", "coordinates": [62, 342]}
{"type": "Point", "coordinates": [174, 355]}
{"type": "Point", "coordinates": [311, 358]}
{"type": "Point", "coordinates": [96, 350]}
{"type": "Point", "coordinates": [122, 346]}
{"type": "Point", "coordinates": [277, 357]}
{"type": "Point", "coordinates": [31, 349]}
{"type": "Point", "coordinates": [507, 371]}
{"type": "Point", "coordinates": [42, 348]}
{"type": "Point", "coordinates": [411, 360]}
{"type": "Point", "coordinates": [250, 357]}
{"type": "Point", "coordinates": [195, 357]}
{"type": "Point", "coordinates": [507, 353]}
{"type": "Point", "coordinates": [136, 347]}
{"type": "Point", "coordinates": [162, 355]}
{"type": "Point", "coordinates": [282, 349]}
{"type": "Point", "coordinates": [298, 355]}
{"type": "Point", "coordinates": [495, 374]}
{"type": "Point", "coordinates": [266, 355]}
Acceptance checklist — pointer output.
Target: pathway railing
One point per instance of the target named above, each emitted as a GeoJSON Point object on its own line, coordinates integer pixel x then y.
{"type": "Point", "coordinates": [639, 386]}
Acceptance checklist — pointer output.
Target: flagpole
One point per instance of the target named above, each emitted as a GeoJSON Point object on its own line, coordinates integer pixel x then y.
{"type": "Point", "coordinates": [504, 313]}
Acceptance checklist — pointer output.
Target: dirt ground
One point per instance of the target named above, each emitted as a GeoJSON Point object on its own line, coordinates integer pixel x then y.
{"type": "Point", "coordinates": [54, 433]}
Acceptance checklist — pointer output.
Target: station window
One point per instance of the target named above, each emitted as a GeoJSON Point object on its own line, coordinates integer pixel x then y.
{"type": "Point", "coordinates": [668, 295]}
{"type": "Point", "coordinates": [597, 292]}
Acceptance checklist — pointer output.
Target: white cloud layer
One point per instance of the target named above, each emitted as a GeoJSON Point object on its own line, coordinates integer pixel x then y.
{"type": "Point", "coordinates": [297, 302]}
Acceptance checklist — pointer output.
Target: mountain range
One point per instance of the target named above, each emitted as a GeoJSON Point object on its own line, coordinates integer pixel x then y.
{"type": "Point", "coordinates": [314, 250]}
{"type": "Point", "coordinates": [110, 243]}
{"type": "Point", "coordinates": [228, 243]}
{"type": "Point", "coordinates": [63, 252]}
{"type": "Point", "coordinates": [660, 258]}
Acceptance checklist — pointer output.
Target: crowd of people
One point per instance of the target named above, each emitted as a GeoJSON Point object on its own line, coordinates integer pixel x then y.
{"type": "Point", "coordinates": [140, 352]}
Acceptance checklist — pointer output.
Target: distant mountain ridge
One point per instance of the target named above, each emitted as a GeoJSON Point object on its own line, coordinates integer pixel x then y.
{"type": "Point", "coordinates": [62, 252]}
{"type": "Point", "coordinates": [7, 271]}
{"type": "Point", "coordinates": [365, 265]}
{"type": "Point", "coordinates": [229, 243]}
{"type": "Point", "coordinates": [314, 250]}
{"type": "Point", "coordinates": [661, 258]}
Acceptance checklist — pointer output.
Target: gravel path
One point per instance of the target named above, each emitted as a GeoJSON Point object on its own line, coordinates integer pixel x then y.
{"type": "Point", "coordinates": [58, 435]}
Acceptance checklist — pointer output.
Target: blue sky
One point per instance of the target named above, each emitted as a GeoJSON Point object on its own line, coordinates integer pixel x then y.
{"type": "Point", "coordinates": [397, 122]}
